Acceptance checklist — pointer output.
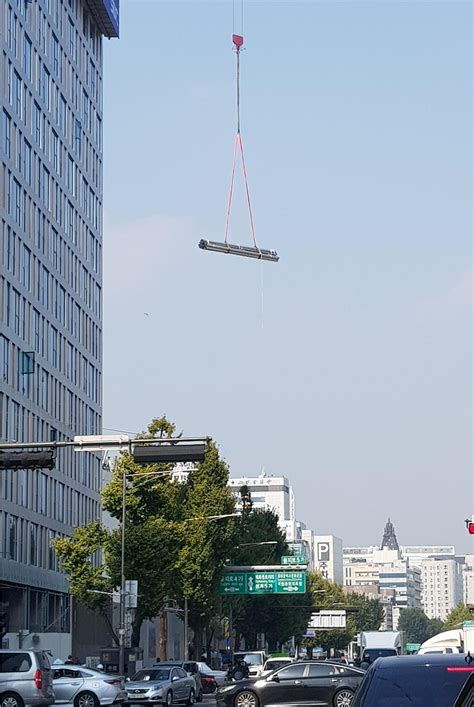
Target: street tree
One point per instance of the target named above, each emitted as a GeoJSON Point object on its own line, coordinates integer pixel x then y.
{"type": "Point", "coordinates": [168, 554]}
{"type": "Point", "coordinates": [278, 616]}
{"type": "Point", "coordinates": [205, 543]}
{"type": "Point", "coordinates": [457, 616]}
{"type": "Point", "coordinates": [415, 625]}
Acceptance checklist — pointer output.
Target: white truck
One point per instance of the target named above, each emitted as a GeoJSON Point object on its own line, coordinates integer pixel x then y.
{"type": "Point", "coordinates": [460, 640]}
{"type": "Point", "coordinates": [379, 644]}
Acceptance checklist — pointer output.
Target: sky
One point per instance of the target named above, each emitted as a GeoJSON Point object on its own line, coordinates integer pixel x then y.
{"type": "Point", "coordinates": [347, 366]}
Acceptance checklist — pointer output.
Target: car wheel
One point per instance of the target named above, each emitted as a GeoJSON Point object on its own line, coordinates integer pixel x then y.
{"type": "Point", "coordinates": [199, 697]}
{"type": "Point", "coordinates": [86, 699]}
{"type": "Point", "coordinates": [169, 699]}
{"type": "Point", "coordinates": [191, 699]}
{"type": "Point", "coordinates": [246, 698]}
{"type": "Point", "coordinates": [9, 699]}
{"type": "Point", "coordinates": [343, 698]}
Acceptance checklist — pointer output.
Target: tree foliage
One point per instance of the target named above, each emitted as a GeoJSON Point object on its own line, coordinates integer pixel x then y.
{"type": "Point", "coordinates": [328, 595]}
{"type": "Point", "coordinates": [171, 548]}
{"type": "Point", "coordinates": [457, 616]}
{"type": "Point", "coordinates": [278, 616]}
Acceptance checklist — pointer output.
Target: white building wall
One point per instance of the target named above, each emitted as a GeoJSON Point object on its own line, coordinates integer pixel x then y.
{"type": "Point", "coordinates": [468, 585]}
{"type": "Point", "coordinates": [442, 587]}
{"type": "Point", "coordinates": [327, 557]}
{"type": "Point", "coordinates": [272, 492]}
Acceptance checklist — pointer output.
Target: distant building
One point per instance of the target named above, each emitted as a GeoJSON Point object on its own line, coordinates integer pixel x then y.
{"type": "Point", "coordinates": [385, 568]}
{"type": "Point", "coordinates": [272, 492]}
{"type": "Point", "coordinates": [442, 586]}
{"type": "Point", "coordinates": [327, 557]}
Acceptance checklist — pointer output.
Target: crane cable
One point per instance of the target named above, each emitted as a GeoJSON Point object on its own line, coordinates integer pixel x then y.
{"type": "Point", "coordinates": [238, 41]}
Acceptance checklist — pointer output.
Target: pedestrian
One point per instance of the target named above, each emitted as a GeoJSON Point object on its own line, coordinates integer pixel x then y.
{"type": "Point", "coordinates": [69, 661]}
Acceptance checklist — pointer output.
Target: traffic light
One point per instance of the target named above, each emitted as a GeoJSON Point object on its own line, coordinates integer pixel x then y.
{"type": "Point", "coordinates": [34, 459]}
{"type": "Point", "coordinates": [168, 453]}
{"type": "Point", "coordinates": [470, 525]}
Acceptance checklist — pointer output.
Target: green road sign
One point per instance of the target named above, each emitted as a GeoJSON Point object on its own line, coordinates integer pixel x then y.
{"type": "Point", "coordinates": [263, 583]}
{"type": "Point", "coordinates": [412, 647]}
{"type": "Point", "coordinates": [468, 624]}
{"type": "Point", "coordinates": [233, 583]}
{"type": "Point", "coordinates": [293, 560]}
{"type": "Point", "coordinates": [291, 582]}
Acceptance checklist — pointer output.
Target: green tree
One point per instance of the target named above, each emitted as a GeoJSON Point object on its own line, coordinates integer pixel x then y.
{"type": "Point", "coordinates": [205, 544]}
{"type": "Point", "coordinates": [278, 616]}
{"type": "Point", "coordinates": [415, 625]}
{"type": "Point", "coordinates": [75, 555]}
{"type": "Point", "coordinates": [435, 626]}
{"type": "Point", "coordinates": [369, 615]}
{"type": "Point", "coordinates": [457, 616]}
{"type": "Point", "coordinates": [327, 595]}
{"type": "Point", "coordinates": [170, 555]}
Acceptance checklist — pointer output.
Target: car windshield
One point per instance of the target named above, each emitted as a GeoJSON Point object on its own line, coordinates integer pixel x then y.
{"type": "Point", "coordinates": [204, 668]}
{"type": "Point", "coordinates": [372, 654]}
{"type": "Point", "coordinates": [145, 675]}
{"type": "Point", "coordinates": [274, 664]}
{"type": "Point", "coordinates": [250, 658]}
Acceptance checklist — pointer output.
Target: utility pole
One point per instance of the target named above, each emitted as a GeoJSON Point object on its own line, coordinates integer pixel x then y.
{"type": "Point", "coordinates": [186, 630]}
{"type": "Point", "coordinates": [122, 583]}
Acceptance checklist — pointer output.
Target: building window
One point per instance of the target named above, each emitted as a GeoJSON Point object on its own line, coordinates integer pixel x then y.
{"type": "Point", "coordinates": [27, 56]}
{"type": "Point", "coordinates": [7, 127]}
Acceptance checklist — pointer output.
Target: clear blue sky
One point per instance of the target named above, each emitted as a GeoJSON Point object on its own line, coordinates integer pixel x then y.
{"type": "Point", "coordinates": [352, 374]}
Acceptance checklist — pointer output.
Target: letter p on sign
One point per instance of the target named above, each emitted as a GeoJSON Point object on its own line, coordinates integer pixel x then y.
{"type": "Point", "coordinates": [323, 552]}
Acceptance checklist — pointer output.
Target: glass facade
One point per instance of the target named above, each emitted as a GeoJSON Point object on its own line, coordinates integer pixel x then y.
{"type": "Point", "coordinates": [50, 285]}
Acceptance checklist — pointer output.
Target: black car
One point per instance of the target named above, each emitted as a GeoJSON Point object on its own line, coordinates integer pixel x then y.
{"type": "Point", "coordinates": [313, 682]}
{"type": "Point", "coordinates": [414, 681]}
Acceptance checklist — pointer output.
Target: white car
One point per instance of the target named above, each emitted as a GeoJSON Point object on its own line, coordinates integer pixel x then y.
{"type": "Point", "coordinates": [254, 659]}
{"type": "Point", "coordinates": [85, 687]}
{"type": "Point", "coordinates": [273, 664]}
{"type": "Point", "coordinates": [218, 675]}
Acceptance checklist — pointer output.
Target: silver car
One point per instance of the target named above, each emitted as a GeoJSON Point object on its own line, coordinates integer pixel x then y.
{"type": "Point", "coordinates": [25, 678]}
{"type": "Point", "coordinates": [85, 687]}
{"type": "Point", "coordinates": [164, 685]}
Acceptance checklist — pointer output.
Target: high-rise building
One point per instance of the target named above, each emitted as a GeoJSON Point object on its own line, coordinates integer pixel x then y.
{"type": "Point", "coordinates": [442, 586]}
{"type": "Point", "coordinates": [50, 293]}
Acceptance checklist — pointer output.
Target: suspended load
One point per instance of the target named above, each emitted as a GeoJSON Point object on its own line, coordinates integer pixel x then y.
{"type": "Point", "coordinates": [251, 251]}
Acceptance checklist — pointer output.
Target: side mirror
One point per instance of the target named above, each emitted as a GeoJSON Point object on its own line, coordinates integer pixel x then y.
{"type": "Point", "coordinates": [275, 678]}
{"type": "Point", "coordinates": [127, 679]}
{"type": "Point", "coordinates": [174, 678]}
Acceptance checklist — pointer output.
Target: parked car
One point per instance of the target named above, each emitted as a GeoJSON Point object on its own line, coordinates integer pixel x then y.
{"type": "Point", "coordinates": [161, 685]}
{"type": "Point", "coordinates": [273, 664]}
{"type": "Point", "coordinates": [308, 682]}
{"type": "Point", "coordinates": [192, 669]}
{"type": "Point", "coordinates": [25, 678]}
{"type": "Point", "coordinates": [86, 687]}
{"type": "Point", "coordinates": [219, 676]}
{"type": "Point", "coordinates": [209, 684]}
{"type": "Point", "coordinates": [414, 681]}
{"type": "Point", "coordinates": [254, 659]}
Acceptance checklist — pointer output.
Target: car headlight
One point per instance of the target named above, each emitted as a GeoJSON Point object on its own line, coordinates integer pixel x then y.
{"type": "Point", "coordinates": [227, 689]}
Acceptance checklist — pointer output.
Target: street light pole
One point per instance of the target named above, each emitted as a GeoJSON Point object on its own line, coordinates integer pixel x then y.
{"type": "Point", "coordinates": [122, 583]}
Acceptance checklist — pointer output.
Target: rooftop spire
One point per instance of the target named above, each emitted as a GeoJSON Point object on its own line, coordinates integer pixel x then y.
{"type": "Point", "coordinates": [389, 540]}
